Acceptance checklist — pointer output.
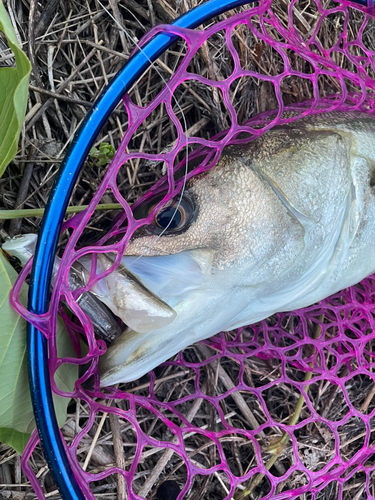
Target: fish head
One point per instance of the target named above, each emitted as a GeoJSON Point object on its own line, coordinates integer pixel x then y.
{"type": "Point", "coordinates": [229, 235]}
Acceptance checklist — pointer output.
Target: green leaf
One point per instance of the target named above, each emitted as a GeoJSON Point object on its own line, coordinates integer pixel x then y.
{"type": "Point", "coordinates": [17, 440]}
{"type": "Point", "coordinates": [14, 84]}
{"type": "Point", "coordinates": [15, 403]}
{"type": "Point", "coordinates": [104, 155]}
{"type": "Point", "coordinates": [93, 152]}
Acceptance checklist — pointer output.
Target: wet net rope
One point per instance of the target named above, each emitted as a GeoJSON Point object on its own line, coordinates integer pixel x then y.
{"type": "Point", "coordinates": [319, 441]}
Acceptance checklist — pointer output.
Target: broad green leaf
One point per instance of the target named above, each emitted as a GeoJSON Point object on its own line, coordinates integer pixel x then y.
{"type": "Point", "coordinates": [14, 83]}
{"type": "Point", "coordinates": [17, 440]}
{"type": "Point", "coordinates": [15, 403]}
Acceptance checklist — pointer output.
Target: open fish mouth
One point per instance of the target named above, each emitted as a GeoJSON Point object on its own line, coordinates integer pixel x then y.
{"type": "Point", "coordinates": [154, 309]}
{"type": "Point", "coordinates": [127, 297]}
{"type": "Point", "coordinates": [143, 291]}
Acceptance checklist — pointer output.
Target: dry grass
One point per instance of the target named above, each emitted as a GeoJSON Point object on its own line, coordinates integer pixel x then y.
{"type": "Point", "coordinates": [75, 47]}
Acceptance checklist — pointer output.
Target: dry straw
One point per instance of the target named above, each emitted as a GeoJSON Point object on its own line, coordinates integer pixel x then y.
{"type": "Point", "coordinates": [280, 409]}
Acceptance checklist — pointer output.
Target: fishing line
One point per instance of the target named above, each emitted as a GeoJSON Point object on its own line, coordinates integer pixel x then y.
{"type": "Point", "coordinates": [185, 128]}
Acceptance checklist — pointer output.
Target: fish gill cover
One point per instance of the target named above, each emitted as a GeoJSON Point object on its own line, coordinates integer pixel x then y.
{"type": "Point", "coordinates": [278, 409]}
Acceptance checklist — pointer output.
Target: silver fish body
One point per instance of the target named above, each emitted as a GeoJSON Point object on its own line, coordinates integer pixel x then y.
{"type": "Point", "coordinates": [280, 223]}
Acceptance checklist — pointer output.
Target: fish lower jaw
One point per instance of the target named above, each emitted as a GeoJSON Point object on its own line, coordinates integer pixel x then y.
{"type": "Point", "coordinates": [135, 354]}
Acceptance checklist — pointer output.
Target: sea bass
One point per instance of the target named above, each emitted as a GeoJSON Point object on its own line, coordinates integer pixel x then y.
{"type": "Point", "coordinates": [278, 224]}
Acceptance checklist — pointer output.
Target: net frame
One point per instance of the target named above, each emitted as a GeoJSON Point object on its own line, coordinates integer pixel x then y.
{"type": "Point", "coordinates": [264, 340]}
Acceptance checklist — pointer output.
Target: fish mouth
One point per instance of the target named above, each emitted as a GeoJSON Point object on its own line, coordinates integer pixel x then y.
{"type": "Point", "coordinates": [151, 295]}
{"type": "Point", "coordinates": [128, 298]}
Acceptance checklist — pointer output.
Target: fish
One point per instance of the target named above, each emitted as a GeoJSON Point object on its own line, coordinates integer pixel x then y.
{"type": "Point", "coordinates": [278, 224]}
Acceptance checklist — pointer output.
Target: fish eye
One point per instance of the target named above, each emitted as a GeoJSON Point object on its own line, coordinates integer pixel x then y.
{"type": "Point", "coordinates": [174, 217]}
{"type": "Point", "coordinates": [170, 217]}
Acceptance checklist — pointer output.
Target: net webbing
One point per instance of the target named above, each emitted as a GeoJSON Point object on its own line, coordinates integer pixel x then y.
{"type": "Point", "coordinates": [228, 407]}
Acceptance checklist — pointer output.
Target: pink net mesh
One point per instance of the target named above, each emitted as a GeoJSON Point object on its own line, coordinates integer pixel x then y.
{"type": "Point", "coordinates": [229, 410]}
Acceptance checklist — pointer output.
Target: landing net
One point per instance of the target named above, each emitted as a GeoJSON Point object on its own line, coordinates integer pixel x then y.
{"type": "Point", "coordinates": [280, 409]}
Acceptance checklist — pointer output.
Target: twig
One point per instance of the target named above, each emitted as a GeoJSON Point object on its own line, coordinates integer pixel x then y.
{"type": "Point", "coordinates": [94, 441]}
{"type": "Point", "coordinates": [105, 49]}
{"type": "Point", "coordinates": [279, 447]}
{"type": "Point", "coordinates": [50, 52]}
{"type": "Point", "coordinates": [117, 15]}
{"type": "Point", "coordinates": [119, 455]}
{"type": "Point", "coordinates": [15, 225]}
{"type": "Point", "coordinates": [364, 406]}
{"type": "Point", "coordinates": [99, 456]}
{"type": "Point", "coordinates": [151, 11]}
{"type": "Point", "coordinates": [47, 13]}
{"type": "Point", "coordinates": [61, 97]}
{"type": "Point", "coordinates": [38, 212]}
{"type": "Point", "coordinates": [31, 36]}
{"type": "Point", "coordinates": [60, 88]}
{"type": "Point", "coordinates": [141, 11]}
